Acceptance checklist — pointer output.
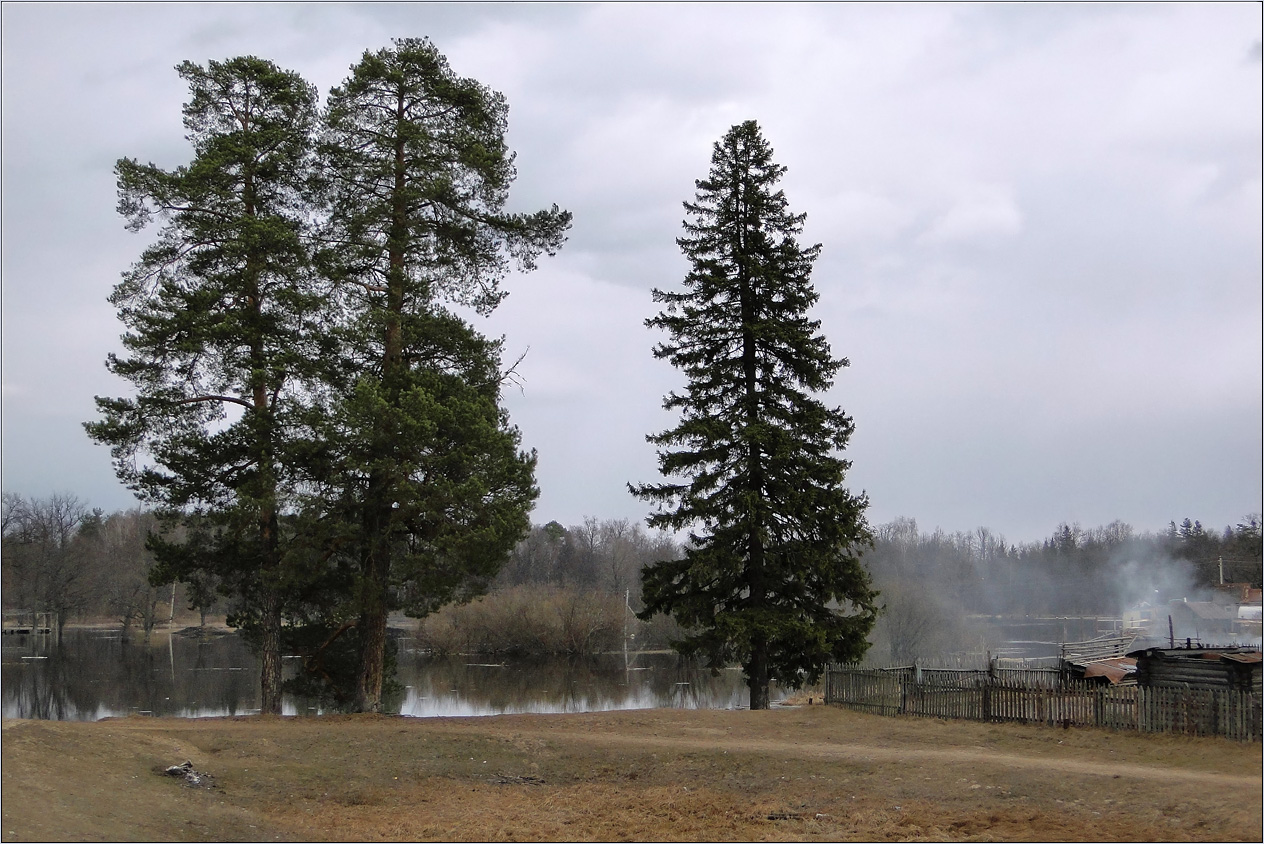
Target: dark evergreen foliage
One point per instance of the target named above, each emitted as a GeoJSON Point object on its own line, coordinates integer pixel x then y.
{"type": "Point", "coordinates": [223, 336]}
{"type": "Point", "coordinates": [318, 421]}
{"type": "Point", "coordinates": [773, 577]}
{"type": "Point", "coordinates": [429, 487]}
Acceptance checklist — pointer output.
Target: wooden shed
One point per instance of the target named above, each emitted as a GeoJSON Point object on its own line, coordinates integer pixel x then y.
{"type": "Point", "coordinates": [1198, 667]}
{"type": "Point", "coordinates": [1206, 620]}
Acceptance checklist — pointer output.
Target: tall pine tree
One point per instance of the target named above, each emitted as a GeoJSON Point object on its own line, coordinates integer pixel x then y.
{"type": "Point", "coordinates": [223, 338]}
{"type": "Point", "coordinates": [433, 490]}
{"type": "Point", "coordinates": [772, 578]}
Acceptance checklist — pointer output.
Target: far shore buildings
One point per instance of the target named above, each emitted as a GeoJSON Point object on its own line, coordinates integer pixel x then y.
{"type": "Point", "coordinates": [1210, 643]}
{"type": "Point", "coordinates": [1231, 614]}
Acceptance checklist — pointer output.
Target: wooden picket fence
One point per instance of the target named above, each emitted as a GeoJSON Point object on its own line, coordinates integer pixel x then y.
{"type": "Point", "coordinates": [1043, 697]}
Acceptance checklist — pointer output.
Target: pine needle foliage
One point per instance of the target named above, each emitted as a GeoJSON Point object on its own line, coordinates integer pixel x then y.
{"type": "Point", "coordinates": [772, 577]}
{"type": "Point", "coordinates": [429, 479]}
{"type": "Point", "coordinates": [311, 408]}
{"type": "Point", "coordinates": [223, 337]}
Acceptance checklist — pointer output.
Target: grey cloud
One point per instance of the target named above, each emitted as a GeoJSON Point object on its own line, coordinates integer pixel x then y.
{"type": "Point", "coordinates": [1041, 229]}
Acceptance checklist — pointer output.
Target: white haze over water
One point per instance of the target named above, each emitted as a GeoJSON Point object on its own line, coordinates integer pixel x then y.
{"type": "Point", "coordinates": [1156, 581]}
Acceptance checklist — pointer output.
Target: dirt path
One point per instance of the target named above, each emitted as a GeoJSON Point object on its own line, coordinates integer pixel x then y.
{"type": "Point", "coordinates": [865, 753]}
{"type": "Point", "coordinates": [816, 773]}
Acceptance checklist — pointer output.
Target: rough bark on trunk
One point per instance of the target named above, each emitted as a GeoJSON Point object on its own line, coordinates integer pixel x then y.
{"type": "Point", "coordinates": [270, 655]}
{"type": "Point", "coordinates": [372, 621]}
{"type": "Point", "coordinates": [379, 500]}
{"type": "Point", "coordinates": [264, 448]}
{"type": "Point", "coordinates": [757, 678]}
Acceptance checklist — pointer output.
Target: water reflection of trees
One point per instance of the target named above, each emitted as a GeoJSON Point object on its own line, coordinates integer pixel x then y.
{"type": "Point", "coordinates": [459, 686]}
{"type": "Point", "coordinates": [93, 675]}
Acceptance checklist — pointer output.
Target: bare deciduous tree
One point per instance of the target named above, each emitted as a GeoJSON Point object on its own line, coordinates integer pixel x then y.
{"type": "Point", "coordinates": [44, 565]}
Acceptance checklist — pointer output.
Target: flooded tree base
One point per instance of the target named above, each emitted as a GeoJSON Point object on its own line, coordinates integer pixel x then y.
{"type": "Point", "coordinates": [814, 773]}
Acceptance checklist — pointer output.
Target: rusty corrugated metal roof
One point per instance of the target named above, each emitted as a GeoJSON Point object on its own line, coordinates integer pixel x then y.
{"type": "Point", "coordinates": [1247, 658]}
{"type": "Point", "coordinates": [1115, 670]}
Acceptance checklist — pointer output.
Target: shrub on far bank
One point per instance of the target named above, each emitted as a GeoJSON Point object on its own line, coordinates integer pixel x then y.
{"type": "Point", "coordinates": [539, 619]}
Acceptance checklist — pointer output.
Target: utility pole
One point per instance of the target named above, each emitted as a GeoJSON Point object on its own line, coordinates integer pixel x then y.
{"type": "Point", "coordinates": [627, 603]}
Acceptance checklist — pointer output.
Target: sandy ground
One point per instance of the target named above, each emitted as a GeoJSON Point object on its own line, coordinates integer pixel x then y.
{"type": "Point", "coordinates": [808, 773]}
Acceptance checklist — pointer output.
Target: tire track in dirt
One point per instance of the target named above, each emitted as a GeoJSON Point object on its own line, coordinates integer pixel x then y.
{"type": "Point", "coordinates": [716, 740]}
{"type": "Point", "coordinates": [870, 753]}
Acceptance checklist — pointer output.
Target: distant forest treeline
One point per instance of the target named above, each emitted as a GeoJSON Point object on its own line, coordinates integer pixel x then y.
{"type": "Point", "coordinates": [567, 589]}
{"type": "Point", "coordinates": [1077, 571]}
{"type": "Point", "coordinates": [936, 585]}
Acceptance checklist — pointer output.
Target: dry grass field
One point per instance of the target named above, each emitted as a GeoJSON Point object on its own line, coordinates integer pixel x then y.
{"type": "Point", "coordinates": [809, 773]}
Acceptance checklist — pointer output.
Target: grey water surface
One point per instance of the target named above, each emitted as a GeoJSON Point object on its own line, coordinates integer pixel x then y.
{"type": "Point", "coordinates": [94, 674]}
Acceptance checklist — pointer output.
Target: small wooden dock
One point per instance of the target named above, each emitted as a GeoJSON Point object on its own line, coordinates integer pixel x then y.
{"type": "Point", "coordinates": [26, 623]}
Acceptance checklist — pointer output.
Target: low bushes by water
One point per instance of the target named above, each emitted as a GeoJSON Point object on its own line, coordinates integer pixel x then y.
{"type": "Point", "coordinates": [536, 619]}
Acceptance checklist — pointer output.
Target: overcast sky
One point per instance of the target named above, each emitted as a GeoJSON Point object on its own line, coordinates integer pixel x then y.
{"type": "Point", "coordinates": [1041, 229]}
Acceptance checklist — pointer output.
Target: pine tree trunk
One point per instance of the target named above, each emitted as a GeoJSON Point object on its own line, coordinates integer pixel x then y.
{"type": "Point", "coordinates": [375, 574]}
{"type": "Point", "coordinates": [270, 655]}
{"type": "Point", "coordinates": [372, 627]}
{"type": "Point", "coordinates": [270, 646]}
{"type": "Point", "coordinates": [376, 568]}
{"type": "Point", "coordinates": [757, 678]}
{"type": "Point", "coordinates": [372, 623]}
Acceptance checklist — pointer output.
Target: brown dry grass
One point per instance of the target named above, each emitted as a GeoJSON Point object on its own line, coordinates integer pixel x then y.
{"type": "Point", "coordinates": [815, 773]}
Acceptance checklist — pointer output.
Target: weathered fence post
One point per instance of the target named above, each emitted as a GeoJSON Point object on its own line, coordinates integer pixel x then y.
{"type": "Point", "coordinates": [993, 697]}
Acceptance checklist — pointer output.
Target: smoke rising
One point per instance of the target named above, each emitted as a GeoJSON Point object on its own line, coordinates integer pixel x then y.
{"type": "Point", "coordinates": [953, 598]}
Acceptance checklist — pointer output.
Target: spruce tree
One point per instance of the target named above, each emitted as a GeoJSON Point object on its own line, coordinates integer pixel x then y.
{"type": "Point", "coordinates": [433, 488]}
{"type": "Point", "coordinates": [223, 339]}
{"type": "Point", "coordinates": [772, 577]}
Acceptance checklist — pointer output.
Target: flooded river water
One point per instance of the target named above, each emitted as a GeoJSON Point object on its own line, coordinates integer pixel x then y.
{"type": "Point", "coordinates": [93, 674]}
